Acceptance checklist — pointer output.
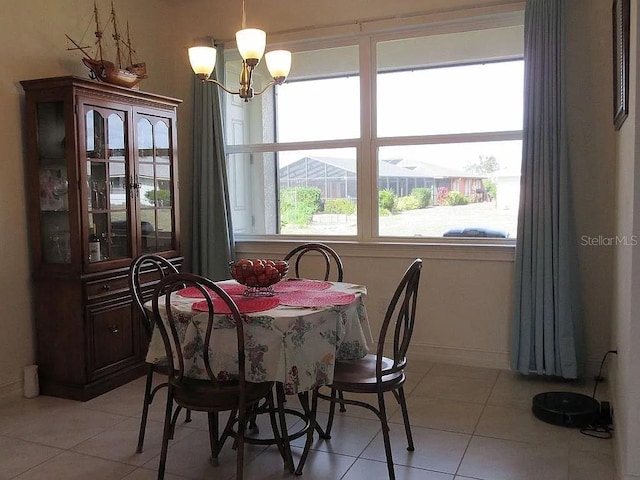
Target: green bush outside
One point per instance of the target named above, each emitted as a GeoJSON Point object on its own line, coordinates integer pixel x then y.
{"type": "Point", "coordinates": [297, 205]}
{"type": "Point", "coordinates": [386, 199]}
{"type": "Point", "coordinates": [340, 205]}
{"type": "Point", "coordinates": [490, 187]}
{"type": "Point", "coordinates": [456, 198]}
{"type": "Point", "coordinates": [423, 195]}
{"type": "Point", "coordinates": [158, 197]}
{"type": "Point", "coordinates": [419, 198]}
{"type": "Point", "coordinates": [408, 203]}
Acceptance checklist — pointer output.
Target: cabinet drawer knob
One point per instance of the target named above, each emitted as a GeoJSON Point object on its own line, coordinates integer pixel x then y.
{"type": "Point", "coordinates": [114, 328]}
{"type": "Point", "coordinates": [106, 287]}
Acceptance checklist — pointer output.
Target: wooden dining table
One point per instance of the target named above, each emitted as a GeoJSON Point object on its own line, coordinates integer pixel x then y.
{"type": "Point", "coordinates": [293, 337]}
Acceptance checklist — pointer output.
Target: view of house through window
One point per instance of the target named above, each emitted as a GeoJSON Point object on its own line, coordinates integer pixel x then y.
{"type": "Point", "coordinates": [450, 190]}
{"type": "Point", "coordinates": [442, 157]}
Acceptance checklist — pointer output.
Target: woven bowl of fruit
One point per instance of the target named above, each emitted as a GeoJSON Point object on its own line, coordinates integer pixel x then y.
{"type": "Point", "coordinates": [258, 275]}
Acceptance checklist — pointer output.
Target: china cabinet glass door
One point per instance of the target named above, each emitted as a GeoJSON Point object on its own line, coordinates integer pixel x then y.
{"type": "Point", "coordinates": [155, 184]}
{"type": "Point", "coordinates": [54, 184]}
{"type": "Point", "coordinates": [108, 195]}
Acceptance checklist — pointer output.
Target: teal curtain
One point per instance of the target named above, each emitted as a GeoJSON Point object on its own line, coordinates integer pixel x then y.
{"type": "Point", "coordinates": [212, 234]}
{"type": "Point", "coordinates": [546, 323]}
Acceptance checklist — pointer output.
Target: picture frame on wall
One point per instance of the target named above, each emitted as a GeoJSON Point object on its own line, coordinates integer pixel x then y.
{"type": "Point", "coordinates": [621, 14]}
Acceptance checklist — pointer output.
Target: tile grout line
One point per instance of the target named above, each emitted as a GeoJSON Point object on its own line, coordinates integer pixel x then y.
{"type": "Point", "coordinates": [473, 432]}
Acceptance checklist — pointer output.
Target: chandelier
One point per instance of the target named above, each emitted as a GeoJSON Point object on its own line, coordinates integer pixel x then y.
{"type": "Point", "coordinates": [251, 44]}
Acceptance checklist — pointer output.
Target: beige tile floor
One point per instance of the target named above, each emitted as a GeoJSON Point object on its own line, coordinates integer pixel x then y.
{"type": "Point", "coordinates": [467, 423]}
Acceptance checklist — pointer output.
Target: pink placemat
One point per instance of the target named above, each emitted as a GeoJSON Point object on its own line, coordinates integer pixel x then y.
{"type": "Point", "coordinates": [245, 304]}
{"type": "Point", "coordinates": [230, 288]}
{"type": "Point", "coordinates": [312, 298]}
{"type": "Point", "coordinates": [295, 284]}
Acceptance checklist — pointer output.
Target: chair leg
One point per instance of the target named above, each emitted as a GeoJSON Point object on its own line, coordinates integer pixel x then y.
{"type": "Point", "coordinates": [145, 408]}
{"type": "Point", "coordinates": [311, 413]}
{"type": "Point", "coordinates": [405, 415]}
{"type": "Point", "coordinates": [286, 444]}
{"type": "Point", "coordinates": [253, 424]}
{"type": "Point", "coordinates": [213, 436]}
{"type": "Point", "coordinates": [332, 412]}
{"type": "Point", "coordinates": [342, 407]}
{"type": "Point", "coordinates": [242, 425]}
{"type": "Point", "coordinates": [385, 435]}
{"type": "Point", "coordinates": [165, 436]}
{"type": "Point", "coordinates": [271, 411]}
{"type": "Point", "coordinates": [187, 417]}
{"type": "Point", "coordinates": [174, 419]}
{"type": "Point", "coordinates": [228, 430]}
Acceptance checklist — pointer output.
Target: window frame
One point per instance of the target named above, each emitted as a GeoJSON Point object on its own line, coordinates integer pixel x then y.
{"type": "Point", "coordinates": [368, 143]}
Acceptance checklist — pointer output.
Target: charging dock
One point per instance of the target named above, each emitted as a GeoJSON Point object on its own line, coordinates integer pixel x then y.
{"type": "Point", "coordinates": [567, 409]}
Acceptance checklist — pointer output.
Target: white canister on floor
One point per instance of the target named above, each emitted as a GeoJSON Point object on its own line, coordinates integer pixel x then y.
{"type": "Point", "coordinates": [31, 386]}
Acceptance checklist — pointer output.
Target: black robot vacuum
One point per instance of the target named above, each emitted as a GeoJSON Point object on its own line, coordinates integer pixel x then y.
{"type": "Point", "coordinates": [567, 409]}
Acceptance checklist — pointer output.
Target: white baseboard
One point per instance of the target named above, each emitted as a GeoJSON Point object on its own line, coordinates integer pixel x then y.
{"type": "Point", "coordinates": [629, 477]}
{"type": "Point", "coordinates": [10, 391]}
{"type": "Point", "coordinates": [459, 356]}
{"type": "Point", "coordinates": [476, 357]}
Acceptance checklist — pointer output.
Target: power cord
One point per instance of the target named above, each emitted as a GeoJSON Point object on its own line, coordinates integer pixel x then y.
{"type": "Point", "coordinates": [602, 428]}
{"type": "Point", "coordinates": [599, 378]}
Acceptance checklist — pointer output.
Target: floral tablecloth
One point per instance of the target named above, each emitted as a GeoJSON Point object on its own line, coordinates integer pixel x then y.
{"type": "Point", "coordinates": [293, 345]}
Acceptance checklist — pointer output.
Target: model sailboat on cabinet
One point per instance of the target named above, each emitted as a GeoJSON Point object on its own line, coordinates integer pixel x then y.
{"type": "Point", "coordinates": [122, 71]}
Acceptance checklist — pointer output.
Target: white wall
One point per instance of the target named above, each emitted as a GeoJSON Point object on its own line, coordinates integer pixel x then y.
{"type": "Point", "coordinates": [463, 316]}
{"type": "Point", "coordinates": [507, 192]}
{"type": "Point", "coordinates": [626, 365]}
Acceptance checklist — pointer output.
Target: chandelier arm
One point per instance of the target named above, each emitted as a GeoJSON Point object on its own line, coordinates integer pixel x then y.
{"type": "Point", "coordinates": [270, 84]}
{"type": "Point", "coordinates": [222, 86]}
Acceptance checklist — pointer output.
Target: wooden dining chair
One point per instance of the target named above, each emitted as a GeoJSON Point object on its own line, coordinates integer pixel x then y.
{"type": "Point", "coordinates": [328, 255]}
{"type": "Point", "coordinates": [218, 391]}
{"type": "Point", "coordinates": [375, 373]}
{"type": "Point", "coordinates": [143, 273]}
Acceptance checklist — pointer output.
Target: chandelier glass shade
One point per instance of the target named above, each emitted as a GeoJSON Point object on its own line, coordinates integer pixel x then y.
{"type": "Point", "coordinates": [251, 43]}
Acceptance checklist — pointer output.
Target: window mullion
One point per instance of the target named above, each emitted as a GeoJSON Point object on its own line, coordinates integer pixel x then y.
{"type": "Point", "coordinates": [451, 138]}
{"type": "Point", "coordinates": [290, 146]}
{"type": "Point", "coordinates": [367, 191]}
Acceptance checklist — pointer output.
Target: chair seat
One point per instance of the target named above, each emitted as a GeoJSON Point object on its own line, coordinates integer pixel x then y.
{"type": "Point", "coordinates": [360, 375]}
{"type": "Point", "coordinates": [203, 396]}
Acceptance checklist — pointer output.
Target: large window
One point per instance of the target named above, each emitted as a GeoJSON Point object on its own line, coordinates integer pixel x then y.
{"type": "Point", "coordinates": [412, 136]}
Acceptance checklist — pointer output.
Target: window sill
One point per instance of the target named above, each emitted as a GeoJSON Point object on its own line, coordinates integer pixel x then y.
{"type": "Point", "coordinates": [453, 249]}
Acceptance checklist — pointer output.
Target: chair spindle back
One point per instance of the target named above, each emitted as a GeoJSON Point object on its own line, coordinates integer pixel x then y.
{"type": "Point", "coordinates": [327, 253]}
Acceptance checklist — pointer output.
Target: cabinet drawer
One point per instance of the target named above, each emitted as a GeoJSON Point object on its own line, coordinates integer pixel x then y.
{"type": "Point", "coordinates": [117, 285]}
{"type": "Point", "coordinates": [113, 337]}
{"type": "Point", "coordinates": [108, 286]}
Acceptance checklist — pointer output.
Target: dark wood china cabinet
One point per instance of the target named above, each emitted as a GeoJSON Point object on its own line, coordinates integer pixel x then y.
{"type": "Point", "coordinates": [103, 189]}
